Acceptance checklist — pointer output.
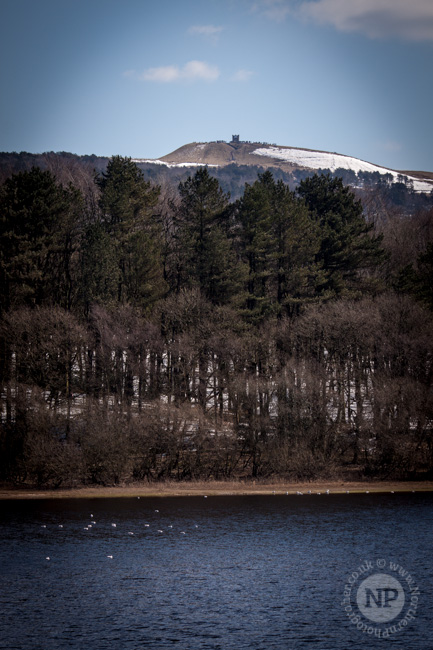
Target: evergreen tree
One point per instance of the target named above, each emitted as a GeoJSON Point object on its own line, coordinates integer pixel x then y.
{"type": "Point", "coordinates": [280, 241]}
{"type": "Point", "coordinates": [418, 281]}
{"type": "Point", "coordinates": [255, 212]}
{"type": "Point", "coordinates": [299, 277]}
{"type": "Point", "coordinates": [127, 202]}
{"type": "Point", "coordinates": [202, 226]}
{"type": "Point", "coordinates": [348, 249]}
{"type": "Point", "coordinates": [39, 236]}
{"type": "Point", "coordinates": [39, 225]}
{"type": "Point", "coordinates": [99, 279]}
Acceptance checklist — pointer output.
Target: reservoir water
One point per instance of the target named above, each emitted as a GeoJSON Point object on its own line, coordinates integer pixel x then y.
{"type": "Point", "coordinates": [229, 573]}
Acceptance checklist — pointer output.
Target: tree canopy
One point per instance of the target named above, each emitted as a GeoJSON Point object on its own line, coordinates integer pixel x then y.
{"type": "Point", "coordinates": [152, 332]}
{"type": "Point", "coordinates": [348, 248]}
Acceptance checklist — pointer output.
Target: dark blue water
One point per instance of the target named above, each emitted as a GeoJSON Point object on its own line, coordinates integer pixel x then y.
{"type": "Point", "coordinates": [225, 572]}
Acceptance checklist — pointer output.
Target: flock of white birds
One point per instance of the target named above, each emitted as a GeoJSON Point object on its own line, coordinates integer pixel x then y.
{"type": "Point", "coordinates": [92, 522]}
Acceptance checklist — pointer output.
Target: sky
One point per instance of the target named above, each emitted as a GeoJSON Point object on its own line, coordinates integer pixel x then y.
{"type": "Point", "coordinates": [141, 78]}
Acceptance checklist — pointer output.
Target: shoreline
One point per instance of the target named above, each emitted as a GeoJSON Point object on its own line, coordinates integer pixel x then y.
{"type": "Point", "coordinates": [215, 488]}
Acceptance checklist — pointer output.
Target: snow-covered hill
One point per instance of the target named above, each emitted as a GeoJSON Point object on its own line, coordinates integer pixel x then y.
{"type": "Point", "coordinates": [334, 161]}
{"type": "Point", "coordinates": [219, 154]}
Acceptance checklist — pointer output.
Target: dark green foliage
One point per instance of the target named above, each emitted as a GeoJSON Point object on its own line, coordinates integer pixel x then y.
{"type": "Point", "coordinates": [256, 212]}
{"type": "Point", "coordinates": [419, 281]}
{"type": "Point", "coordinates": [126, 198]}
{"type": "Point", "coordinates": [39, 223]}
{"type": "Point", "coordinates": [127, 204]}
{"type": "Point", "coordinates": [349, 250]}
{"type": "Point", "coordinates": [280, 242]}
{"type": "Point", "coordinates": [99, 268]}
{"type": "Point", "coordinates": [206, 256]}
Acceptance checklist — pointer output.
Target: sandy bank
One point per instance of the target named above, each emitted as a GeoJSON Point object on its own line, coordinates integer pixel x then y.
{"type": "Point", "coordinates": [213, 488]}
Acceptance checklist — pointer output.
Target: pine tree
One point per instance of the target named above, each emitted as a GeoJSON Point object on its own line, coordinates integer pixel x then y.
{"type": "Point", "coordinates": [127, 202]}
{"type": "Point", "coordinates": [280, 242]}
{"type": "Point", "coordinates": [38, 238]}
{"type": "Point", "coordinates": [418, 281]}
{"type": "Point", "coordinates": [255, 213]}
{"type": "Point", "coordinates": [99, 279]}
{"type": "Point", "coordinates": [299, 276]}
{"type": "Point", "coordinates": [208, 260]}
{"type": "Point", "coordinates": [348, 248]}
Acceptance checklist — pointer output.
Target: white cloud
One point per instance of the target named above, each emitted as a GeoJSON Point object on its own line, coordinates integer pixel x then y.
{"type": "Point", "coordinates": [164, 74]}
{"type": "Point", "coordinates": [276, 10]}
{"type": "Point", "coordinates": [210, 32]}
{"type": "Point", "coordinates": [191, 71]}
{"type": "Point", "coordinates": [407, 19]}
{"type": "Point", "coordinates": [200, 70]}
{"type": "Point", "coordinates": [242, 75]}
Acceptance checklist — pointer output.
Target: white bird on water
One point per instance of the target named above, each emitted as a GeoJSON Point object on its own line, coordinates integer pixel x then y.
{"type": "Point", "coordinates": [114, 525]}
{"type": "Point", "coordinates": [110, 556]}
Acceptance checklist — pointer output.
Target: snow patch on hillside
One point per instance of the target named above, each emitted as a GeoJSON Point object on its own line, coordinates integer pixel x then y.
{"type": "Point", "coordinates": [168, 164]}
{"type": "Point", "coordinates": [333, 161]}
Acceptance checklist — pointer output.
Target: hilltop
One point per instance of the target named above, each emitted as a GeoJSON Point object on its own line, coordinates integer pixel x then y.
{"type": "Point", "coordinates": [219, 154]}
{"type": "Point", "coordinates": [238, 162]}
{"type": "Point", "coordinates": [287, 159]}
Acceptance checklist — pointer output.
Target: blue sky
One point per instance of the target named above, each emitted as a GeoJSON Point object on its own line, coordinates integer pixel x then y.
{"type": "Point", "coordinates": [140, 78]}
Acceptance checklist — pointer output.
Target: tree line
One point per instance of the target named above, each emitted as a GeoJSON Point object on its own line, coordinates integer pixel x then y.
{"type": "Point", "coordinates": [152, 332]}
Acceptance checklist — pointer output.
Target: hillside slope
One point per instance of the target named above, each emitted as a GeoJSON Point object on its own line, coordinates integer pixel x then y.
{"type": "Point", "coordinates": [286, 158]}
